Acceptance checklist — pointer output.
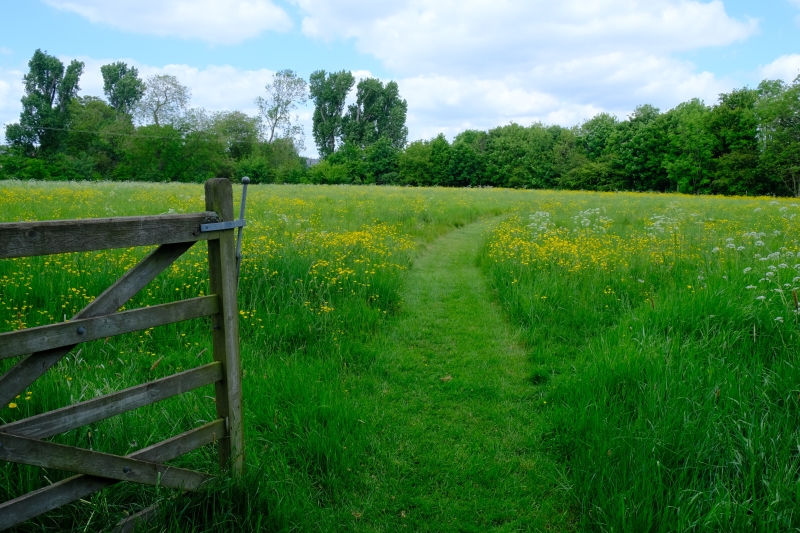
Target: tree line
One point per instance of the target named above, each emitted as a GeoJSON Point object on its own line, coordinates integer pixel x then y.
{"type": "Point", "coordinates": [146, 130]}
{"type": "Point", "coordinates": [747, 143]}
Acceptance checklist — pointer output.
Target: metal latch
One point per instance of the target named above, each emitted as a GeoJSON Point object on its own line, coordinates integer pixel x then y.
{"type": "Point", "coordinates": [245, 182]}
{"type": "Point", "coordinates": [233, 224]}
{"type": "Point", "coordinates": [218, 226]}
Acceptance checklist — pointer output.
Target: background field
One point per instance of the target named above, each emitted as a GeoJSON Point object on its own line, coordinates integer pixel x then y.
{"type": "Point", "coordinates": [666, 390]}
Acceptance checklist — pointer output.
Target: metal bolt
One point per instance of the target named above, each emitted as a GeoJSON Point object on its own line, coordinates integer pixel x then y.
{"type": "Point", "coordinates": [81, 330]}
{"type": "Point", "coordinates": [126, 469]}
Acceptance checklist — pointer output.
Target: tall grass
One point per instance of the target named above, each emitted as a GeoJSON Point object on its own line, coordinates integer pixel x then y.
{"type": "Point", "coordinates": [322, 269]}
{"type": "Point", "coordinates": [669, 387]}
{"type": "Point", "coordinates": [665, 334]}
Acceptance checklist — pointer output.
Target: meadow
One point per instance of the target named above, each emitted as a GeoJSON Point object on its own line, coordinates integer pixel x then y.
{"type": "Point", "coordinates": [664, 336]}
{"type": "Point", "coordinates": [659, 333]}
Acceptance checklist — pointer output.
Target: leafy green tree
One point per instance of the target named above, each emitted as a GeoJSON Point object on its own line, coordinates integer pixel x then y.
{"type": "Point", "coordinates": [467, 165]}
{"type": "Point", "coordinates": [88, 116]}
{"type": "Point", "coordinates": [328, 173]}
{"type": "Point", "coordinates": [164, 102]}
{"type": "Point", "coordinates": [414, 164]}
{"type": "Point", "coordinates": [238, 131]}
{"type": "Point", "coordinates": [378, 113]}
{"type": "Point", "coordinates": [568, 151]}
{"type": "Point", "coordinates": [518, 157]}
{"type": "Point", "coordinates": [381, 162]}
{"type": "Point", "coordinates": [688, 160]}
{"type": "Point", "coordinates": [275, 162]}
{"type": "Point", "coordinates": [637, 148]}
{"type": "Point", "coordinates": [779, 111]}
{"type": "Point", "coordinates": [153, 153]}
{"type": "Point", "coordinates": [354, 159]}
{"type": "Point", "coordinates": [166, 153]}
{"type": "Point", "coordinates": [49, 89]}
{"type": "Point", "coordinates": [595, 133]}
{"type": "Point", "coordinates": [592, 175]}
{"type": "Point", "coordinates": [96, 138]}
{"type": "Point", "coordinates": [286, 92]}
{"type": "Point", "coordinates": [122, 86]}
{"type": "Point", "coordinates": [329, 92]}
{"type": "Point", "coordinates": [440, 161]}
{"type": "Point", "coordinates": [734, 125]}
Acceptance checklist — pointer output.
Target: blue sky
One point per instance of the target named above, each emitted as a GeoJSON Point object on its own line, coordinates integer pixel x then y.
{"type": "Point", "coordinates": [778, 34]}
{"type": "Point", "coordinates": [460, 63]}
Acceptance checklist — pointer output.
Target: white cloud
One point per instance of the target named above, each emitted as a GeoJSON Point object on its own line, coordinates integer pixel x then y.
{"type": "Point", "coordinates": [215, 88]}
{"type": "Point", "coordinates": [451, 104]}
{"type": "Point", "coordinates": [460, 63]}
{"type": "Point", "coordinates": [10, 93]}
{"type": "Point", "coordinates": [480, 63]}
{"type": "Point", "coordinates": [441, 104]}
{"type": "Point", "coordinates": [786, 68]}
{"type": "Point", "coordinates": [6, 51]}
{"type": "Point", "coordinates": [214, 21]}
{"type": "Point", "coordinates": [466, 35]}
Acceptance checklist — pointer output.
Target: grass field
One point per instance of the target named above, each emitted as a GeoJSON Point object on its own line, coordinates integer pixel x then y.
{"type": "Point", "coordinates": [663, 334]}
{"type": "Point", "coordinates": [450, 360]}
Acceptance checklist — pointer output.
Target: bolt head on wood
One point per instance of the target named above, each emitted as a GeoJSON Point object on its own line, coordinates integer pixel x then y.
{"type": "Point", "coordinates": [81, 330]}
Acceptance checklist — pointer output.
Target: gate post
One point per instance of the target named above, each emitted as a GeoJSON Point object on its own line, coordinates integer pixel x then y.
{"type": "Point", "coordinates": [225, 332]}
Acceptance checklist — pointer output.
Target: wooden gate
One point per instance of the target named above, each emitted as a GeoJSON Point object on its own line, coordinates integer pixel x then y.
{"type": "Point", "coordinates": [21, 441]}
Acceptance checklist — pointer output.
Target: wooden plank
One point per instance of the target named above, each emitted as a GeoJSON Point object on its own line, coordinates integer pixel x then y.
{"type": "Point", "coordinates": [29, 369]}
{"type": "Point", "coordinates": [32, 504]}
{"type": "Point", "coordinates": [35, 452]}
{"type": "Point", "coordinates": [225, 334]}
{"type": "Point", "coordinates": [41, 338]}
{"type": "Point", "coordinates": [23, 239]}
{"type": "Point", "coordinates": [129, 524]}
{"type": "Point", "coordinates": [80, 414]}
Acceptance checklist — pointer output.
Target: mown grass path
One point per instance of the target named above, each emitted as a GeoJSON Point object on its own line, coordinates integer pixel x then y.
{"type": "Point", "coordinates": [453, 419]}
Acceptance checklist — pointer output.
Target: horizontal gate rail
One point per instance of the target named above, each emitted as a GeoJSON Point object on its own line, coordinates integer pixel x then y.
{"type": "Point", "coordinates": [80, 414]}
{"type": "Point", "coordinates": [31, 368]}
{"type": "Point", "coordinates": [44, 346]}
{"type": "Point", "coordinates": [25, 239]}
{"type": "Point", "coordinates": [41, 338]}
{"type": "Point", "coordinates": [73, 488]}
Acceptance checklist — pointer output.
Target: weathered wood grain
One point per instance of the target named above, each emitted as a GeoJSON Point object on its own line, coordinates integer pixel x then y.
{"type": "Point", "coordinates": [41, 338]}
{"type": "Point", "coordinates": [29, 369]}
{"type": "Point", "coordinates": [46, 499]}
{"type": "Point", "coordinates": [129, 524]}
{"type": "Point", "coordinates": [83, 413]}
{"type": "Point", "coordinates": [23, 239]}
{"type": "Point", "coordinates": [24, 450]}
{"type": "Point", "coordinates": [225, 334]}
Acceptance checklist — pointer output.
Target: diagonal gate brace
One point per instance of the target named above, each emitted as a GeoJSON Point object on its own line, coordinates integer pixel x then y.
{"type": "Point", "coordinates": [27, 451]}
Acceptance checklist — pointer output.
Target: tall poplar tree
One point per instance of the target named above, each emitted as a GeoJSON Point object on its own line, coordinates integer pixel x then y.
{"type": "Point", "coordinates": [328, 92]}
{"type": "Point", "coordinates": [378, 113]}
{"type": "Point", "coordinates": [49, 89]}
{"type": "Point", "coordinates": [122, 86]}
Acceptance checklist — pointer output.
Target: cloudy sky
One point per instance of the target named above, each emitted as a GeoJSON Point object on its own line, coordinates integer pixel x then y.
{"type": "Point", "coordinates": [459, 63]}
